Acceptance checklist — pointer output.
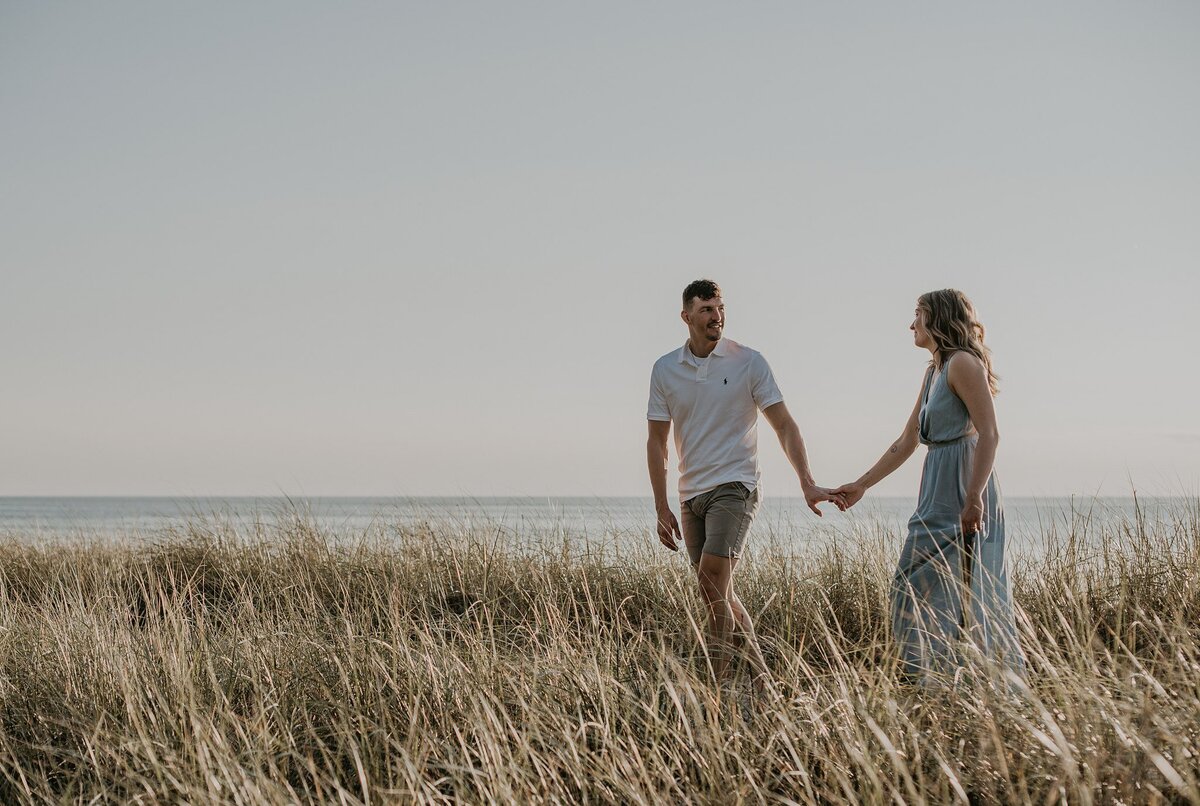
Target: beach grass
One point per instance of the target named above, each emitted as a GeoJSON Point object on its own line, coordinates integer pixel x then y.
{"type": "Point", "coordinates": [436, 663]}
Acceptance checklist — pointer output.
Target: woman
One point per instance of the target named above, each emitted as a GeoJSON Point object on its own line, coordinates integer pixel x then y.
{"type": "Point", "coordinates": [955, 546]}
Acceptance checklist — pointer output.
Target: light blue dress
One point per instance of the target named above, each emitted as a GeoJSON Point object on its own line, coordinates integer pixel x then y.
{"type": "Point", "coordinates": [933, 633]}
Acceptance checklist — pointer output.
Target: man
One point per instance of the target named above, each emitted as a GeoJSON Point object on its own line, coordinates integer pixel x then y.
{"type": "Point", "coordinates": [712, 389]}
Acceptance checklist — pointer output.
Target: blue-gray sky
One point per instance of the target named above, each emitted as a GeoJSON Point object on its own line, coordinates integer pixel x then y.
{"type": "Point", "coordinates": [434, 248]}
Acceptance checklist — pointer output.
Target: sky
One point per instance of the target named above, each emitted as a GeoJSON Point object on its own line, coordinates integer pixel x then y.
{"type": "Point", "coordinates": [434, 248]}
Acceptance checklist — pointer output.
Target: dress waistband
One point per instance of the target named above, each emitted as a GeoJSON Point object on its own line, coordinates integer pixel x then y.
{"type": "Point", "coordinates": [934, 445]}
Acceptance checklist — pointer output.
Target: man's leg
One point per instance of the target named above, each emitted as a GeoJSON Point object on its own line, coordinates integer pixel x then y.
{"type": "Point", "coordinates": [727, 521]}
{"type": "Point", "coordinates": [691, 522]}
{"type": "Point", "coordinates": [748, 638]}
{"type": "Point", "coordinates": [715, 575]}
{"type": "Point", "coordinates": [712, 575]}
{"type": "Point", "coordinates": [730, 624]}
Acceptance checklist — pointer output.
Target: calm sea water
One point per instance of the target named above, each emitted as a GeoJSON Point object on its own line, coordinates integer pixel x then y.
{"type": "Point", "coordinates": [784, 521]}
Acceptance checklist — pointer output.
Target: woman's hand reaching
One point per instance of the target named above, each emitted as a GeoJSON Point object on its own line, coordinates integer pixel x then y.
{"type": "Point", "coordinates": [851, 493]}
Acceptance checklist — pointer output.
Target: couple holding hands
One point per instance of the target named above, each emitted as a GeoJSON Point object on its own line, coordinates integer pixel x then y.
{"type": "Point", "coordinates": [951, 584]}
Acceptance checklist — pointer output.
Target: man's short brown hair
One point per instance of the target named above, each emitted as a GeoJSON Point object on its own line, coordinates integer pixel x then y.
{"type": "Point", "coordinates": [704, 289]}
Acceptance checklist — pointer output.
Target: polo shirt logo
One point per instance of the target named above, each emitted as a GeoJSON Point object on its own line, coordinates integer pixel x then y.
{"type": "Point", "coordinates": [725, 381]}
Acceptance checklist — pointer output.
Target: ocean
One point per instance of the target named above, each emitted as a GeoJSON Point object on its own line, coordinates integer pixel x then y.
{"type": "Point", "coordinates": [784, 522]}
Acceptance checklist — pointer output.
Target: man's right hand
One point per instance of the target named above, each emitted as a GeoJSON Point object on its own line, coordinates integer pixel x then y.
{"type": "Point", "coordinates": [668, 529]}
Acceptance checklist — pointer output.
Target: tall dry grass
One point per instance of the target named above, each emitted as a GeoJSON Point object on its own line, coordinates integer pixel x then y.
{"type": "Point", "coordinates": [430, 664]}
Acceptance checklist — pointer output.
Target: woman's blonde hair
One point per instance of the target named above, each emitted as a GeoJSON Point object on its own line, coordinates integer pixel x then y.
{"type": "Point", "coordinates": [951, 322]}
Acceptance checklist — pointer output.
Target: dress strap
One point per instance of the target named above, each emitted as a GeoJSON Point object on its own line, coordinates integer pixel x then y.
{"type": "Point", "coordinates": [921, 436]}
{"type": "Point", "coordinates": [925, 386]}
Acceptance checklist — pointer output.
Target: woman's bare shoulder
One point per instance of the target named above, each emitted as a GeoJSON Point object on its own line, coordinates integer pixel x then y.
{"type": "Point", "coordinates": [964, 361]}
{"type": "Point", "coordinates": [965, 368]}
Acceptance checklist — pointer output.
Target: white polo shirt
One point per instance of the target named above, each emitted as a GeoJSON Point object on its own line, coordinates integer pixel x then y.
{"type": "Point", "coordinates": [714, 404]}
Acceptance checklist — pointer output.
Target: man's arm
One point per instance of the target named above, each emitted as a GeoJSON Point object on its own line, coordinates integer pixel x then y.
{"type": "Point", "coordinates": [656, 462]}
{"type": "Point", "coordinates": [793, 446]}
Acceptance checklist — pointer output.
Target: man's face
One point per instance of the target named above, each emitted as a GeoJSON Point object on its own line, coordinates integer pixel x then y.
{"type": "Point", "coordinates": [705, 319]}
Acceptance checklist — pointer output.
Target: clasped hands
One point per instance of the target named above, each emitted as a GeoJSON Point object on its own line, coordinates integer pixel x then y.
{"type": "Point", "coordinates": [842, 497]}
{"type": "Point", "coordinates": [814, 494]}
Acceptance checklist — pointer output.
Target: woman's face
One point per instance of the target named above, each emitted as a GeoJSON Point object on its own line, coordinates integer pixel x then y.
{"type": "Point", "coordinates": [921, 336]}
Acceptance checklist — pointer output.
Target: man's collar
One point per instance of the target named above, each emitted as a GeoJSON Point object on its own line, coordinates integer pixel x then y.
{"type": "Point", "coordinates": [686, 356]}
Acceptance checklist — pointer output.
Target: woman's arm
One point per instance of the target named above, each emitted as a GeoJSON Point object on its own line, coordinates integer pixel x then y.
{"type": "Point", "coordinates": [895, 456]}
{"type": "Point", "coordinates": [968, 379]}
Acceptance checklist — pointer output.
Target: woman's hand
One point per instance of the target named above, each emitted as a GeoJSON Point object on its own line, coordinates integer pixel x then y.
{"type": "Point", "coordinates": [851, 493]}
{"type": "Point", "coordinates": [972, 515]}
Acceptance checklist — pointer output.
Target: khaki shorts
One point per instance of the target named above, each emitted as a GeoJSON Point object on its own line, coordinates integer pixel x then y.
{"type": "Point", "coordinates": [716, 522]}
